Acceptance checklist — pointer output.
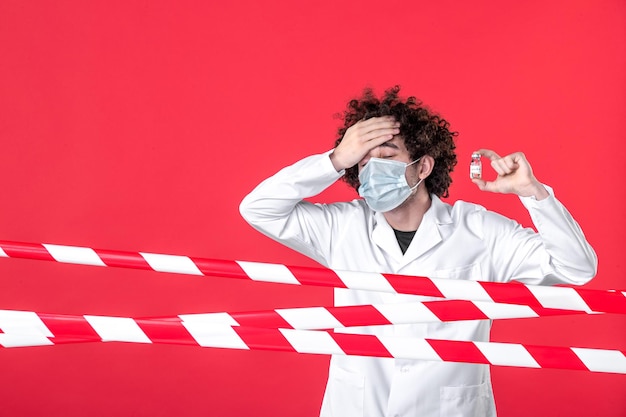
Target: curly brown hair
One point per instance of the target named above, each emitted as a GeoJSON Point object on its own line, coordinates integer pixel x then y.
{"type": "Point", "coordinates": [424, 133]}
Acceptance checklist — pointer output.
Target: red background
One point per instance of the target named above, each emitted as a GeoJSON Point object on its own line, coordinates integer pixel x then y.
{"type": "Point", "coordinates": [140, 125]}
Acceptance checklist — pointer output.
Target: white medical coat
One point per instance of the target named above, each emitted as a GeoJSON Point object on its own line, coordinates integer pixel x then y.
{"type": "Point", "coordinates": [463, 241]}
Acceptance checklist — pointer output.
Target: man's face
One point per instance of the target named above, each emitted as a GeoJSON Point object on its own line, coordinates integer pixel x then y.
{"type": "Point", "coordinates": [394, 149]}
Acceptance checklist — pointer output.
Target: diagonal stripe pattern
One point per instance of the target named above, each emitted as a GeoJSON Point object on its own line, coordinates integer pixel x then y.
{"type": "Point", "coordinates": [22, 329]}
{"type": "Point", "coordinates": [566, 298]}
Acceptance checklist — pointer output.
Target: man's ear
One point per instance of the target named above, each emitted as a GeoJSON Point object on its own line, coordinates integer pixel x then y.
{"type": "Point", "coordinates": [427, 163]}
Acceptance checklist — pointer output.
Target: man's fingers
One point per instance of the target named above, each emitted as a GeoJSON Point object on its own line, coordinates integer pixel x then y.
{"type": "Point", "coordinates": [484, 185]}
{"type": "Point", "coordinates": [488, 153]}
{"type": "Point", "coordinates": [382, 129]}
{"type": "Point", "coordinates": [504, 166]}
{"type": "Point", "coordinates": [499, 166]}
{"type": "Point", "coordinates": [379, 123]}
{"type": "Point", "coordinates": [361, 138]}
{"type": "Point", "coordinates": [514, 174]}
{"type": "Point", "coordinates": [378, 130]}
{"type": "Point", "coordinates": [479, 183]}
{"type": "Point", "coordinates": [373, 120]}
{"type": "Point", "coordinates": [376, 123]}
{"type": "Point", "coordinates": [510, 164]}
{"type": "Point", "coordinates": [381, 135]}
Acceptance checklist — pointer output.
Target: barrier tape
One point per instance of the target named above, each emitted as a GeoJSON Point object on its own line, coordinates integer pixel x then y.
{"type": "Point", "coordinates": [322, 318]}
{"type": "Point", "coordinates": [534, 296]}
{"type": "Point", "coordinates": [316, 318]}
{"type": "Point", "coordinates": [23, 328]}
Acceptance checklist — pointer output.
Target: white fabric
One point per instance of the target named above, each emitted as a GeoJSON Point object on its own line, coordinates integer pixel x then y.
{"type": "Point", "coordinates": [463, 241]}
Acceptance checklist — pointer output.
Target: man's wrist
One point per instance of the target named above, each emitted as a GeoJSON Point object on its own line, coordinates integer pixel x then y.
{"type": "Point", "coordinates": [335, 162]}
{"type": "Point", "coordinates": [537, 191]}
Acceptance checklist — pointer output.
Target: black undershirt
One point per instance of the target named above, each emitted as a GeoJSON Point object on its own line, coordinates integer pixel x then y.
{"type": "Point", "coordinates": [404, 239]}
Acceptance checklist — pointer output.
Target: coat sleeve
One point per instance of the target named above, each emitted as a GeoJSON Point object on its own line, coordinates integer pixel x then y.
{"type": "Point", "coordinates": [276, 207]}
{"type": "Point", "coordinates": [558, 253]}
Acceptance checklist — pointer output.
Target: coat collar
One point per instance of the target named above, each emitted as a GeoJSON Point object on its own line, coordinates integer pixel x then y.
{"type": "Point", "coordinates": [427, 236]}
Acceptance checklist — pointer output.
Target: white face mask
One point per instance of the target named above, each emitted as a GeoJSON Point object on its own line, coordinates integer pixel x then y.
{"type": "Point", "coordinates": [383, 183]}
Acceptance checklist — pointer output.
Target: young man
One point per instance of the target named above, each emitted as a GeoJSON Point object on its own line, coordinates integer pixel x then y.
{"type": "Point", "coordinates": [399, 156]}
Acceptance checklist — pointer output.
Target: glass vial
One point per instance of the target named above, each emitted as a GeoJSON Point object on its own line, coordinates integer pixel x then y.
{"type": "Point", "coordinates": [476, 167]}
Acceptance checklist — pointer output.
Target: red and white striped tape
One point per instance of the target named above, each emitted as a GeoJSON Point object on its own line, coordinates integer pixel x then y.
{"type": "Point", "coordinates": [323, 318]}
{"type": "Point", "coordinates": [607, 301]}
{"type": "Point", "coordinates": [317, 318]}
{"type": "Point", "coordinates": [23, 328]}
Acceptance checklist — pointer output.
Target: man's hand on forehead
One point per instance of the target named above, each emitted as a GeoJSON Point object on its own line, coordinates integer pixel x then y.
{"type": "Point", "coordinates": [361, 138]}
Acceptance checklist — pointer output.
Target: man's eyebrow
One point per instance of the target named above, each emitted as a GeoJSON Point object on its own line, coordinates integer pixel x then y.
{"type": "Point", "coordinates": [390, 145]}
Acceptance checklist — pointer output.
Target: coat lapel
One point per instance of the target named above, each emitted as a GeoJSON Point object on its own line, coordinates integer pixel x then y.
{"type": "Point", "coordinates": [384, 237]}
{"type": "Point", "coordinates": [428, 235]}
